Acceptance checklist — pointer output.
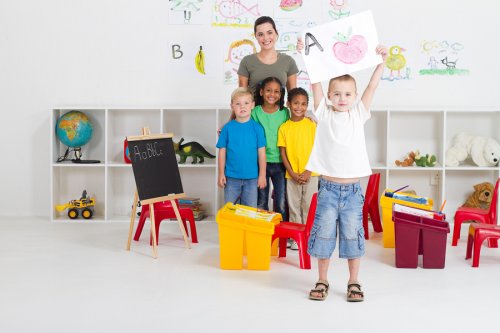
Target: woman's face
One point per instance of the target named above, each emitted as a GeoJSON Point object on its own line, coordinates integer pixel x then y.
{"type": "Point", "coordinates": [266, 36]}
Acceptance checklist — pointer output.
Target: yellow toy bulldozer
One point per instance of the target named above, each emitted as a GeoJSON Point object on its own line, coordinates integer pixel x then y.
{"type": "Point", "coordinates": [84, 207]}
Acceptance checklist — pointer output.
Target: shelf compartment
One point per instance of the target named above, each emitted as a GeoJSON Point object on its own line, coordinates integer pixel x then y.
{"type": "Point", "coordinates": [121, 188]}
{"type": "Point", "coordinates": [460, 184]}
{"type": "Point", "coordinates": [199, 126]}
{"type": "Point", "coordinates": [412, 130]}
{"type": "Point", "coordinates": [376, 139]}
{"type": "Point", "coordinates": [68, 184]}
{"type": "Point", "coordinates": [419, 180]}
{"type": "Point", "coordinates": [199, 183]}
{"type": "Point", "coordinates": [128, 122]}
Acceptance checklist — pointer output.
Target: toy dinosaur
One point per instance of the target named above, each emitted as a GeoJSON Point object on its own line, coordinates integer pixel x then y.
{"type": "Point", "coordinates": [193, 149]}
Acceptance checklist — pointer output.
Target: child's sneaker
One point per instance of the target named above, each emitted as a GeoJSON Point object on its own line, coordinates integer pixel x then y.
{"type": "Point", "coordinates": [294, 245]}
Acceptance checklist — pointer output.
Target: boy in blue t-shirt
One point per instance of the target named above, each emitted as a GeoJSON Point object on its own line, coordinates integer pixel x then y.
{"type": "Point", "coordinates": [242, 152]}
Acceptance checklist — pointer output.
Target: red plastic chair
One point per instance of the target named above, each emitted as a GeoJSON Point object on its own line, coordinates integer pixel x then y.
{"type": "Point", "coordinates": [298, 232]}
{"type": "Point", "coordinates": [164, 210]}
{"type": "Point", "coordinates": [478, 215]}
{"type": "Point", "coordinates": [371, 206]}
{"type": "Point", "coordinates": [478, 233]}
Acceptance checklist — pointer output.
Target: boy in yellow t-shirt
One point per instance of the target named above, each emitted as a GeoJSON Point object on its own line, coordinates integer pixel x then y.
{"type": "Point", "coordinates": [295, 141]}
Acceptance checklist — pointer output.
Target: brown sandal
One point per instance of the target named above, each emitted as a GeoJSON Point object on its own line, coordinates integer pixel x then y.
{"type": "Point", "coordinates": [352, 292]}
{"type": "Point", "coordinates": [322, 291]}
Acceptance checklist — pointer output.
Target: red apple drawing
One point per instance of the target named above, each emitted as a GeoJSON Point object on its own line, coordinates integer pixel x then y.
{"type": "Point", "coordinates": [350, 50]}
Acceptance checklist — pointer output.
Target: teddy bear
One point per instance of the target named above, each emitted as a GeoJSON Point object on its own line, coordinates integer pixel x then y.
{"type": "Point", "coordinates": [483, 151]}
{"type": "Point", "coordinates": [408, 161]}
{"type": "Point", "coordinates": [481, 197]}
{"type": "Point", "coordinates": [425, 161]}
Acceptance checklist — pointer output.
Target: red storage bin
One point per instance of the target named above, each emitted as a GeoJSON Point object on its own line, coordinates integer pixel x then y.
{"type": "Point", "coordinates": [419, 235]}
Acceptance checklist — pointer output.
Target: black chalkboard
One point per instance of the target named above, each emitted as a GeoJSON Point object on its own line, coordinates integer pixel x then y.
{"type": "Point", "coordinates": [155, 167]}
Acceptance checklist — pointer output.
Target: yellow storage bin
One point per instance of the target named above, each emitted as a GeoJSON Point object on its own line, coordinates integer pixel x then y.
{"type": "Point", "coordinates": [245, 230]}
{"type": "Point", "coordinates": [386, 207]}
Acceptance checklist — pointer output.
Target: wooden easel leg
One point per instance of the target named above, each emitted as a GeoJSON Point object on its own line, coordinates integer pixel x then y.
{"type": "Point", "coordinates": [181, 225]}
{"type": "Point", "coordinates": [132, 220]}
{"type": "Point", "coordinates": [153, 229]}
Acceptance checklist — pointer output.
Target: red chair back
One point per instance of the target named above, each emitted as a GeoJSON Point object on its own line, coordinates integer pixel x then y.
{"type": "Point", "coordinates": [493, 206]}
{"type": "Point", "coordinates": [372, 188]}
{"type": "Point", "coordinates": [311, 214]}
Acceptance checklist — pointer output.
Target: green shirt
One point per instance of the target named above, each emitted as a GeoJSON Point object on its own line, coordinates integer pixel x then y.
{"type": "Point", "coordinates": [271, 123]}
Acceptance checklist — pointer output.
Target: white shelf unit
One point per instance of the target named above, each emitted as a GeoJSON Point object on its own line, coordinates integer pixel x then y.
{"type": "Point", "coordinates": [390, 134]}
{"type": "Point", "coordinates": [112, 182]}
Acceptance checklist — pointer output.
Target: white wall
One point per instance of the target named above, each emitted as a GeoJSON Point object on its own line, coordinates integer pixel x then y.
{"type": "Point", "coordinates": [113, 53]}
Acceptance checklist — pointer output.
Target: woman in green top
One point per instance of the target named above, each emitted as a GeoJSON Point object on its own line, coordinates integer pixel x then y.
{"type": "Point", "coordinates": [267, 62]}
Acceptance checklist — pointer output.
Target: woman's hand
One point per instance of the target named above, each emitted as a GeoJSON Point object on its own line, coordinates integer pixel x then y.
{"type": "Point", "coordinates": [300, 45]}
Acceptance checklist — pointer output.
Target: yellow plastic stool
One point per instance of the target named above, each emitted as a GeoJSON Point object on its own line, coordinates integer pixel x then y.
{"type": "Point", "coordinates": [245, 230]}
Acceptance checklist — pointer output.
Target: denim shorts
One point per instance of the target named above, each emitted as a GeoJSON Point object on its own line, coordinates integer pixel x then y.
{"type": "Point", "coordinates": [340, 207]}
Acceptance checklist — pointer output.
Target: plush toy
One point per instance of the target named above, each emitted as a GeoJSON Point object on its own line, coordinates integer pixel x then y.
{"type": "Point", "coordinates": [481, 197]}
{"type": "Point", "coordinates": [408, 161]}
{"type": "Point", "coordinates": [193, 149]}
{"type": "Point", "coordinates": [482, 150]}
{"type": "Point", "coordinates": [425, 161]}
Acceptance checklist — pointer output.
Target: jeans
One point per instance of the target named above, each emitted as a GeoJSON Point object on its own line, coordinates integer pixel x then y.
{"type": "Point", "coordinates": [340, 206]}
{"type": "Point", "coordinates": [275, 172]}
{"type": "Point", "coordinates": [244, 189]}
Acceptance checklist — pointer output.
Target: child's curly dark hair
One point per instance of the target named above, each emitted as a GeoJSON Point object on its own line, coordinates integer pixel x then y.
{"type": "Point", "coordinates": [297, 91]}
{"type": "Point", "coordinates": [259, 100]}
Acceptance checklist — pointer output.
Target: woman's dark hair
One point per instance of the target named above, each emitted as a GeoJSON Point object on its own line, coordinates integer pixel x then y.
{"type": "Point", "coordinates": [259, 100]}
{"type": "Point", "coordinates": [297, 91]}
{"type": "Point", "coordinates": [262, 20]}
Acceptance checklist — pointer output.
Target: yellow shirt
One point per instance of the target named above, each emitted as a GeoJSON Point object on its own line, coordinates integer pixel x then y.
{"type": "Point", "coordinates": [298, 139]}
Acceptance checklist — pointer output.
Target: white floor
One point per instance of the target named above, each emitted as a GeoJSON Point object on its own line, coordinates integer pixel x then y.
{"type": "Point", "coordinates": [78, 277]}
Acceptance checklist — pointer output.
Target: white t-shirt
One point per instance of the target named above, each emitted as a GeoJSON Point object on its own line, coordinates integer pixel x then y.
{"type": "Point", "coordinates": [339, 147]}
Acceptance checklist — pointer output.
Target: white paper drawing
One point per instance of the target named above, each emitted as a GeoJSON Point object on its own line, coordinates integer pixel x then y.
{"type": "Point", "coordinates": [189, 12]}
{"type": "Point", "coordinates": [340, 47]}
{"type": "Point", "coordinates": [237, 50]}
{"type": "Point", "coordinates": [235, 13]}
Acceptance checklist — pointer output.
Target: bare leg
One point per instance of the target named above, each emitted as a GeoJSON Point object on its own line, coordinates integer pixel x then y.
{"type": "Point", "coordinates": [353, 272]}
{"type": "Point", "coordinates": [323, 265]}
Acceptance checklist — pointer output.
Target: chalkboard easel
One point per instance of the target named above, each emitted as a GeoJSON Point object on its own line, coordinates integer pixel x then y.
{"type": "Point", "coordinates": [157, 178]}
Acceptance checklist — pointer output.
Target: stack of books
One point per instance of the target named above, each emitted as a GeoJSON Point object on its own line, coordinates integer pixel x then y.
{"type": "Point", "coordinates": [195, 205]}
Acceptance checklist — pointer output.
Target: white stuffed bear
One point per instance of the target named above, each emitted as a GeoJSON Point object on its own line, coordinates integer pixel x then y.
{"type": "Point", "coordinates": [483, 151]}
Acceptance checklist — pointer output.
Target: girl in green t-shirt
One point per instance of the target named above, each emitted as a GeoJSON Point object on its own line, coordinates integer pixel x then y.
{"type": "Point", "coordinates": [270, 112]}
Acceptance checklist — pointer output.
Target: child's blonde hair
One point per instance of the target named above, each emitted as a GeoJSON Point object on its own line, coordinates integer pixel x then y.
{"type": "Point", "coordinates": [241, 92]}
{"type": "Point", "coordinates": [343, 78]}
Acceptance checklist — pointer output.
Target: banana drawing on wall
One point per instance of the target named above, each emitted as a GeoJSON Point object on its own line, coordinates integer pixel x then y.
{"type": "Point", "coordinates": [199, 61]}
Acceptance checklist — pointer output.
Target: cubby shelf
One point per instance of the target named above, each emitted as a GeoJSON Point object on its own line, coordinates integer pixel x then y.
{"type": "Point", "coordinates": [390, 134]}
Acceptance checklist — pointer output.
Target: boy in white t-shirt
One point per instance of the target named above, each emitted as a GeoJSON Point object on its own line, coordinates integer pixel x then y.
{"type": "Point", "coordinates": [339, 156]}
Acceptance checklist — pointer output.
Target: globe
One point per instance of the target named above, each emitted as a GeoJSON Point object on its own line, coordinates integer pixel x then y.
{"type": "Point", "coordinates": [74, 129]}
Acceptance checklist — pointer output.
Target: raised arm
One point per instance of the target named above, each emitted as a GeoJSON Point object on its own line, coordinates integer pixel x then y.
{"type": "Point", "coordinates": [317, 91]}
{"type": "Point", "coordinates": [375, 79]}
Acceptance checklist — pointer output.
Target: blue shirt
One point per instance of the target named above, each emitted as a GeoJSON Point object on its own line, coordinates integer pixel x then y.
{"type": "Point", "coordinates": [242, 141]}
